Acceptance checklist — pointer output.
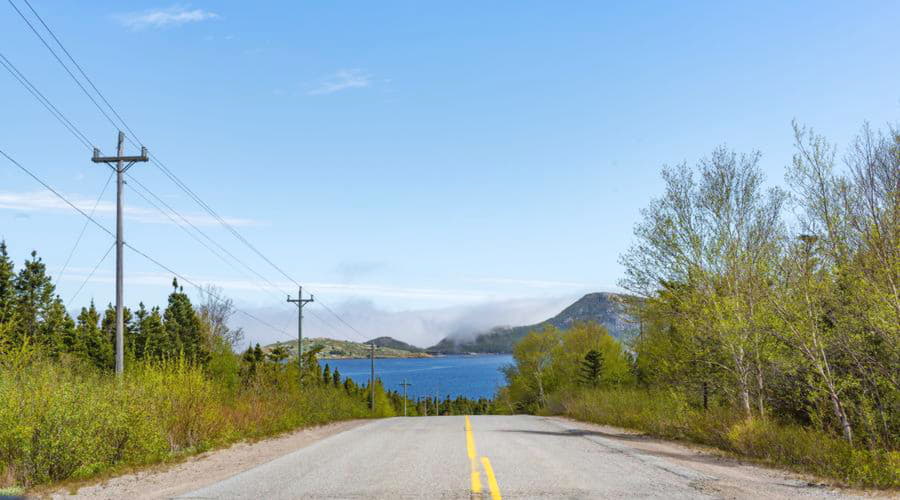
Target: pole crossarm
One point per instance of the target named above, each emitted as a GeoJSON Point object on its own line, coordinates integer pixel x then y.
{"type": "Point", "coordinates": [130, 160]}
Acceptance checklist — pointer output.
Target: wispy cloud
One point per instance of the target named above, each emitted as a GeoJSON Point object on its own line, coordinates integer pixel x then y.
{"type": "Point", "coordinates": [342, 80]}
{"type": "Point", "coordinates": [45, 201]}
{"type": "Point", "coordinates": [162, 18]}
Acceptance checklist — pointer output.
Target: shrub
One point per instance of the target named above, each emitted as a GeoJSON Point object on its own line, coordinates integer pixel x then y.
{"type": "Point", "coordinates": [666, 414]}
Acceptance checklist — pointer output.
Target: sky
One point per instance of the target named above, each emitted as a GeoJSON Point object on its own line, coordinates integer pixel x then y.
{"type": "Point", "coordinates": [424, 169]}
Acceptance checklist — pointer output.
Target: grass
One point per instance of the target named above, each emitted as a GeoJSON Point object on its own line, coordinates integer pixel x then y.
{"type": "Point", "coordinates": [667, 415]}
{"type": "Point", "coordinates": [64, 421]}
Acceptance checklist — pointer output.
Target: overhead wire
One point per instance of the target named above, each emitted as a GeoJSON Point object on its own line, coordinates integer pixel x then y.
{"type": "Point", "coordinates": [91, 274]}
{"type": "Point", "coordinates": [130, 246]}
{"type": "Point", "coordinates": [158, 163]}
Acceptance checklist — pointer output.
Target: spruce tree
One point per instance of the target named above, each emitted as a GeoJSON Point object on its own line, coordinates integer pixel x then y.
{"type": "Point", "coordinates": [33, 297]}
{"type": "Point", "coordinates": [336, 377]}
{"type": "Point", "coordinates": [592, 368]}
{"type": "Point", "coordinates": [7, 284]}
{"type": "Point", "coordinates": [58, 329]}
{"type": "Point", "coordinates": [96, 346]}
{"type": "Point", "coordinates": [154, 338]}
{"type": "Point", "coordinates": [326, 374]}
{"type": "Point", "coordinates": [108, 325]}
{"type": "Point", "coordinates": [184, 328]}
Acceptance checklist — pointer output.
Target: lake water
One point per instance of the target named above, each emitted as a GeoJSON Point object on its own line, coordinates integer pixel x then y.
{"type": "Point", "coordinates": [470, 376]}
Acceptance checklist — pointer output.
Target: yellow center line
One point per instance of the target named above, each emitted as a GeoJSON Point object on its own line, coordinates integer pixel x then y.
{"type": "Point", "coordinates": [473, 462]}
{"type": "Point", "coordinates": [492, 480]}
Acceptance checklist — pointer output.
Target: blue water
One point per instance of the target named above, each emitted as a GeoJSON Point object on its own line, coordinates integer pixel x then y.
{"type": "Point", "coordinates": [470, 376]}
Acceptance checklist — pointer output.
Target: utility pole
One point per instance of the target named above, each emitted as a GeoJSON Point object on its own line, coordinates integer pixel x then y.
{"type": "Point", "coordinates": [120, 168]}
{"type": "Point", "coordinates": [372, 378]}
{"type": "Point", "coordinates": [405, 385]}
{"type": "Point", "coordinates": [300, 301]}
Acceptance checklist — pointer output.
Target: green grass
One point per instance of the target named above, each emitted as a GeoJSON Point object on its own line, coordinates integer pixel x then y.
{"type": "Point", "coordinates": [666, 415]}
{"type": "Point", "coordinates": [63, 421]}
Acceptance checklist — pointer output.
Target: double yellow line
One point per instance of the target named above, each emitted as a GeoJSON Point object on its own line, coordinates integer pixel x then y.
{"type": "Point", "coordinates": [474, 472]}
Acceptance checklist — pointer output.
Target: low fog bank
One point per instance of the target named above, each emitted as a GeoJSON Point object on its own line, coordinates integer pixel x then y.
{"type": "Point", "coordinates": [423, 328]}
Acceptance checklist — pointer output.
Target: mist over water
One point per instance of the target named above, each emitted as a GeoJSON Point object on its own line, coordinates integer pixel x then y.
{"type": "Point", "coordinates": [470, 376]}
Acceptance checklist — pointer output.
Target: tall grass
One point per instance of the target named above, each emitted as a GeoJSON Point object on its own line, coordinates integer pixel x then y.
{"type": "Point", "coordinates": [63, 420]}
{"type": "Point", "coordinates": [668, 415]}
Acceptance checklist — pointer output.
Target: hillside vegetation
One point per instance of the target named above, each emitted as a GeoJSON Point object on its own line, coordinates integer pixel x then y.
{"type": "Point", "coordinates": [766, 335]}
{"type": "Point", "coordinates": [385, 347]}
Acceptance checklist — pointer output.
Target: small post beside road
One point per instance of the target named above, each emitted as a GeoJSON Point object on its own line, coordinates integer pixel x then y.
{"type": "Point", "coordinates": [405, 384]}
{"type": "Point", "coordinates": [300, 301]}
{"type": "Point", "coordinates": [120, 168]}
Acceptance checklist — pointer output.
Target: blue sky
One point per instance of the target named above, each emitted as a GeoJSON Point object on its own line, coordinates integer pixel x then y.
{"type": "Point", "coordinates": [425, 168]}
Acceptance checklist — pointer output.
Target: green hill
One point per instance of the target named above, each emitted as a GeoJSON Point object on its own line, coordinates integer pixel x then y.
{"type": "Point", "coordinates": [345, 349]}
{"type": "Point", "coordinates": [393, 343]}
{"type": "Point", "coordinates": [606, 309]}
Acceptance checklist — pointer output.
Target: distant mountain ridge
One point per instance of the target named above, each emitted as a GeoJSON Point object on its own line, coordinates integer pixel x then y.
{"type": "Point", "coordinates": [607, 309]}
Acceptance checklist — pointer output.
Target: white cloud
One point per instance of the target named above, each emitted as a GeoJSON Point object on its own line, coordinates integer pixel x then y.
{"type": "Point", "coordinates": [342, 80]}
{"type": "Point", "coordinates": [161, 18]}
{"type": "Point", "coordinates": [45, 201]}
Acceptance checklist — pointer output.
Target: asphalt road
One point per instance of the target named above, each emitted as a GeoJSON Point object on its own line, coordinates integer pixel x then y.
{"type": "Point", "coordinates": [502, 457]}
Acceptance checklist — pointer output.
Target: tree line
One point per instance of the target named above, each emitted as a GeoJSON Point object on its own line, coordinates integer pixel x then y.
{"type": "Point", "coordinates": [33, 314]}
{"type": "Point", "coordinates": [782, 303]}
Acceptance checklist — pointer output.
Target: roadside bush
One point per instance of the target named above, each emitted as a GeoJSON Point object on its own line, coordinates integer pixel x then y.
{"type": "Point", "coordinates": [63, 419]}
{"type": "Point", "coordinates": [667, 415]}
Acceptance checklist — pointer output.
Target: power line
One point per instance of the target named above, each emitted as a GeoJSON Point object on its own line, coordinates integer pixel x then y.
{"type": "Point", "coordinates": [133, 248]}
{"type": "Point", "coordinates": [156, 161]}
{"type": "Point", "coordinates": [83, 228]}
{"type": "Point", "coordinates": [60, 61]}
{"type": "Point", "coordinates": [81, 137]}
{"type": "Point", "coordinates": [91, 274]}
{"type": "Point", "coordinates": [78, 66]}
{"type": "Point", "coordinates": [41, 98]}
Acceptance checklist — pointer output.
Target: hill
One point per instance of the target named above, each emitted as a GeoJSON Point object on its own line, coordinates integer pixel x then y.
{"type": "Point", "coordinates": [345, 349]}
{"type": "Point", "coordinates": [393, 343]}
{"type": "Point", "coordinates": [606, 309]}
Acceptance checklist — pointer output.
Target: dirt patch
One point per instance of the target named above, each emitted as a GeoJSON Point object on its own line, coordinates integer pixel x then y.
{"type": "Point", "coordinates": [202, 470]}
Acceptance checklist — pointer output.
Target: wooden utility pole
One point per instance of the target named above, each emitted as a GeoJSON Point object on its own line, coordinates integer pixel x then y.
{"type": "Point", "coordinates": [300, 301]}
{"type": "Point", "coordinates": [120, 168]}
{"type": "Point", "coordinates": [372, 378]}
{"type": "Point", "coordinates": [405, 385]}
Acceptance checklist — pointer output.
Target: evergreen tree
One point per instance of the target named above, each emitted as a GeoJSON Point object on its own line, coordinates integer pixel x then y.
{"type": "Point", "coordinates": [108, 325]}
{"type": "Point", "coordinates": [33, 298]}
{"type": "Point", "coordinates": [326, 374]}
{"type": "Point", "coordinates": [7, 284]}
{"type": "Point", "coordinates": [278, 354]}
{"type": "Point", "coordinates": [336, 377]}
{"type": "Point", "coordinates": [91, 342]}
{"type": "Point", "coordinates": [592, 368]}
{"type": "Point", "coordinates": [184, 328]}
{"type": "Point", "coordinates": [58, 328]}
{"type": "Point", "coordinates": [153, 341]}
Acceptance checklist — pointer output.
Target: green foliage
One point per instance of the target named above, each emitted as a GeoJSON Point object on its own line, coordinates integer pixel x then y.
{"type": "Point", "coordinates": [552, 360]}
{"type": "Point", "coordinates": [669, 415]}
{"type": "Point", "coordinates": [80, 421]}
